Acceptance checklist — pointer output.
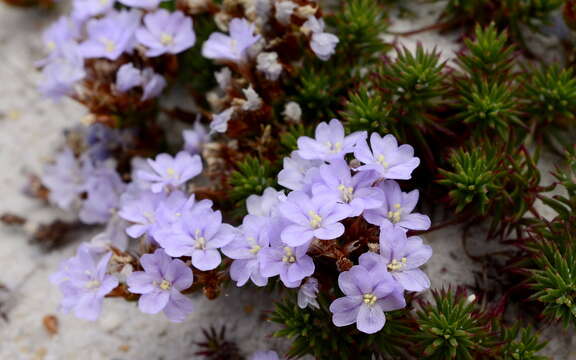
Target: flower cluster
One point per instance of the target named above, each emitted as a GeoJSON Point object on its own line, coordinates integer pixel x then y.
{"type": "Point", "coordinates": [281, 232]}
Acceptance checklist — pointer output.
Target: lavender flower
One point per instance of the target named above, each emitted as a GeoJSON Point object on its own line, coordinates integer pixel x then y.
{"type": "Point", "coordinates": [307, 294]}
{"type": "Point", "coordinates": [267, 63]}
{"type": "Point", "coordinates": [322, 43]}
{"type": "Point", "coordinates": [102, 140]}
{"type": "Point", "coordinates": [298, 173]}
{"type": "Point", "coordinates": [161, 284]}
{"type": "Point", "coordinates": [311, 217]}
{"type": "Point", "coordinates": [266, 204]}
{"type": "Point", "coordinates": [84, 283]}
{"type": "Point", "coordinates": [171, 172]}
{"type": "Point", "coordinates": [83, 9]}
{"type": "Point", "coordinates": [220, 121]}
{"type": "Point", "coordinates": [171, 209]}
{"type": "Point", "coordinates": [251, 239]}
{"type": "Point", "coordinates": [195, 139]}
{"type": "Point", "coordinates": [111, 36]}
{"type": "Point", "coordinates": [103, 188]}
{"type": "Point", "coordinates": [139, 208]}
{"type": "Point", "coordinates": [200, 236]}
{"type": "Point", "coordinates": [355, 193]}
{"type": "Point", "coordinates": [152, 83]}
{"type": "Point", "coordinates": [234, 47]}
{"type": "Point", "coordinates": [369, 291]}
{"type": "Point", "coordinates": [60, 34]}
{"type": "Point", "coordinates": [330, 142]}
{"type": "Point", "coordinates": [166, 32]}
{"type": "Point", "coordinates": [128, 77]}
{"type": "Point", "coordinates": [291, 263]}
{"type": "Point", "coordinates": [265, 355]}
{"type": "Point", "coordinates": [64, 179]}
{"type": "Point", "coordinates": [144, 4]}
{"type": "Point", "coordinates": [62, 73]}
{"type": "Point", "coordinates": [404, 257]}
{"type": "Point", "coordinates": [386, 157]}
{"type": "Point", "coordinates": [397, 209]}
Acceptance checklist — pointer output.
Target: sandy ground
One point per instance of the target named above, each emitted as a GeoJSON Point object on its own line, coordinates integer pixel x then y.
{"type": "Point", "coordinates": [29, 130]}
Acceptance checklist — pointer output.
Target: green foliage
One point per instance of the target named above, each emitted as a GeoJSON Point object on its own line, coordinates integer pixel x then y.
{"type": "Point", "coordinates": [359, 25]}
{"type": "Point", "coordinates": [520, 343]}
{"type": "Point", "coordinates": [551, 93]}
{"type": "Point", "coordinates": [289, 138]}
{"type": "Point", "coordinates": [474, 180]}
{"type": "Point", "coordinates": [312, 333]}
{"type": "Point", "coordinates": [315, 91]}
{"type": "Point", "coordinates": [554, 281]}
{"type": "Point", "coordinates": [491, 108]}
{"type": "Point", "coordinates": [452, 327]}
{"type": "Point", "coordinates": [488, 56]}
{"type": "Point", "coordinates": [252, 177]}
{"type": "Point", "coordinates": [412, 82]}
{"type": "Point", "coordinates": [366, 110]}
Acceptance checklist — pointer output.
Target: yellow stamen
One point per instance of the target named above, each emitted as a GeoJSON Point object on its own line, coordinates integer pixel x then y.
{"type": "Point", "coordinates": [165, 285]}
{"type": "Point", "coordinates": [396, 265]}
{"type": "Point", "coordinates": [382, 161]}
{"type": "Point", "coordinates": [369, 299]}
{"type": "Point", "coordinates": [166, 39]}
{"type": "Point", "coordinates": [289, 255]}
{"type": "Point", "coordinates": [315, 219]}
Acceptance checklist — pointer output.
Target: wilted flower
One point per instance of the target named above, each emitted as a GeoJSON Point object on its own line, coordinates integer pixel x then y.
{"type": "Point", "coordinates": [195, 139]}
{"type": "Point", "coordinates": [220, 121]}
{"type": "Point", "coordinates": [153, 84]}
{"type": "Point", "coordinates": [307, 294]}
{"type": "Point", "coordinates": [322, 43]}
{"type": "Point", "coordinates": [267, 63]}
{"type": "Point", "coordinates": [128, 77]}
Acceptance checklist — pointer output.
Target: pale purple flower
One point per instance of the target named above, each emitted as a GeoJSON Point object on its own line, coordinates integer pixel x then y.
{"type": "Point", "coordinates": [161, 284]}
{"type": "Point", "coordinates": [386, 157]}
{"type": "Point", "coordinates": [234, 47]}
{"type": "Point", "coordinates": [169, 172]}
{"type": "Point", "coordinates": [219, 121]}
{"type": "Point", "coordinates": [115, 232]}
{"type": "Point", "coordinates": [111, 36]}
{"type": "Point", "coordinates": [103, 189]}
{"type": "Point", "coordinates": [298, 173]}
{"type": "Point", "coordinates": [307, 294]}
{"type": "Point", "coordinates": [128, 77]}
{"type": "Point", "coordinates": [397, 209]}
{"type": "Point", "coordinates": [65, 179]}
{"type": "Point", "coordinates": [268, 64]}
{"type": "Point", "coordinates": [200, 236]}
{"type": "Point", "coordinates": [166, 32]}
{"type": "Point", "coordinates": [138, 207]}
{"type": "Point", "coordinates": [284, 10]}
{"type": "Point", "coordinates": [369, 292]}
{"type": "Point", "coordinates": [83, 9]}
{"type": "Point", "coordinates": [144, 4]}
{"type": "Point", "coordinates": [195, 139]}
{"type": "Point", "coordinates": [84, 282]}
{"type": "Point", "coordinates": [265, 204]}
{"type": "Point", "coordinates": [322, 43]}
{"type": "Point", "coordinates": [103, 140]}
{"type": "Point", "coordinates": [311, 217]}
{"type": "Point", "coordinates": [354, 192]}
{"type": "Point", "coordinates": [330, 142]}
{"type": "Point", "coordinates": [62, 73]}
{"type": "Point", "coordinates": [265, 355]}
{"type": "Point", "coordinates": [153, 84]}
{"type": "Point", "coordinates": [62, 33]}
{"type": "Point", "coordinates": [172, 208]}
{"type": "Point", "coordinates": [404, 256]}
{"type": "Point", "coordinates": [291, 263]}
{"type": "Point", "coordinates": [252, 237]}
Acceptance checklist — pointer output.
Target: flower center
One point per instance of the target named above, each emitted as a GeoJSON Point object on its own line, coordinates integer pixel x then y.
{"type": "Point", "coordinates": [382, 161]}
{"type": "Point", "coordinates": [171, 172]}
{"type": "Point", "coordinates": [149, 216]}
{"type": "Point", "coordinates": [346, 192]}
{"type": "Point", "coordinates": [200, 240]}
{"type": "Point", "coordinates": [165, 285]}
{"type": "Point", "coordinates": [92, 284]}
{"type": "Point", "coordinates": [109, 45]}
{"type": "Point", "coordinates": [396, 265]}
{"type": "Point", "coordinates": [51, 45]}
{"type": "Point", "coordinates": [395, 216]}
{"type": "Point", "coordinates": [334, 148]}
{"type": "Point", "coordinates": [166, 39]}
{"type": "Point", "coordinates": [315, 219]}
{"type": "Point", "coordinates": [288, 255]}
{"type": "Point", "coordinates": [104, 2]}
{"type": "Point", "coordinates": [369, 299]}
